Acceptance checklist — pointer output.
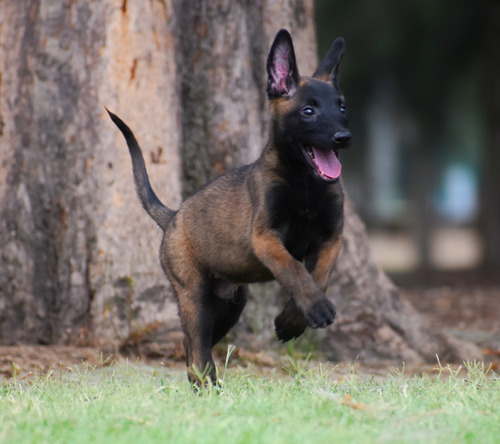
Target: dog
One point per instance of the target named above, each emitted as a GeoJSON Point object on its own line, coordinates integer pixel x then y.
{"type": "Point", "coordinates": [280, 217]}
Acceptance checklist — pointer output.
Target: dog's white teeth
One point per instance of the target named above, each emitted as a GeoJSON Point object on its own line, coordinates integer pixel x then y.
{"type": "Point", "coordinates": [310, 152]}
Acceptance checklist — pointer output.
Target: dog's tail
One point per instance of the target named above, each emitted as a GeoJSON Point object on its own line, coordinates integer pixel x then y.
{"type": "Point", "coordinates": [155, 208]}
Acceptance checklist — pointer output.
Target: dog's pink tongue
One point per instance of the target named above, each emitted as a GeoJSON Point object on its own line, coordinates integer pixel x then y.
{"type": "Point", "coordinates": [328, 163]}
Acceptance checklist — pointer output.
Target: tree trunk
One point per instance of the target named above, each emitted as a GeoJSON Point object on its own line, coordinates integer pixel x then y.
{"type": "Point", "coordinates": [78, 254]}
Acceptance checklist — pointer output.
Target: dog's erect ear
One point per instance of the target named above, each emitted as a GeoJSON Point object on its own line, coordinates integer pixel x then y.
{"type": "Point", "coordinates": [328, 69]}
{"type": "Point", "coordinates": [283, 75]}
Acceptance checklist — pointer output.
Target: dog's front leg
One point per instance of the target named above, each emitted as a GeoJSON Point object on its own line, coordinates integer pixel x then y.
{"type": "Point", "coordinates": [326, 260]}
{"type": "Point", "coordinates": [317, 310]}
{"type": "Point", "coordinates": [290, 323]}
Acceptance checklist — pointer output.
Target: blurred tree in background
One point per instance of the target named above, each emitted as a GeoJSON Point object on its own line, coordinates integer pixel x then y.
{"type": "Point", "coordinates": [423, 86]}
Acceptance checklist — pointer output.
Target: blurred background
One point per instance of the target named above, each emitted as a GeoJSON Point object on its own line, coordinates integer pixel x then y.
{"type": "Point", "coordinates": [421, 82]}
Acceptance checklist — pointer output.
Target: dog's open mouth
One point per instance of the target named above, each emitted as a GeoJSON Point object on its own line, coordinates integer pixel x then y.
{"type": "Point", "coordinates": [326, 163]}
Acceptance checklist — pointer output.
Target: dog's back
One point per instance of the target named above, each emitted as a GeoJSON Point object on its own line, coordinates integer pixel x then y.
{"type": "Point", "coordinates": [216, 225]}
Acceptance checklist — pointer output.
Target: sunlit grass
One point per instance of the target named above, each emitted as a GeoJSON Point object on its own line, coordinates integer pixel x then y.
{"type": "Point", "coordinates": [307, 403]}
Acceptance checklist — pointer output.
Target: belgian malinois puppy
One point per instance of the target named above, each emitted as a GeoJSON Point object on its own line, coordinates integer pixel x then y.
{"type": "Point", "coordinates": [280, 217]}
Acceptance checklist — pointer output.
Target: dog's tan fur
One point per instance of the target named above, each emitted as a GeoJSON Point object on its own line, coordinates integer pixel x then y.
{"type": "Point", "coordinates": [240, 229]}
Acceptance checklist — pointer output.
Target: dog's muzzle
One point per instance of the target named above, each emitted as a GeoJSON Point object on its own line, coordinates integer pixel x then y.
{"type": "Point", "coordinates": [342, 138]}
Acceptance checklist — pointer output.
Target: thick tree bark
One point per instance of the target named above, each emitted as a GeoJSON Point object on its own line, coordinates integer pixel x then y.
{"type": "Point", "coordinates": [222, 52]}
{"type": "Point", "coordinates": [78, 255]}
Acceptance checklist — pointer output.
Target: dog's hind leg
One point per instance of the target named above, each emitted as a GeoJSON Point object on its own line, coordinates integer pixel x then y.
{"type": "Point", "coordinates": [197, 313]}
{"type": "Point", "coordinates": [227, 313]}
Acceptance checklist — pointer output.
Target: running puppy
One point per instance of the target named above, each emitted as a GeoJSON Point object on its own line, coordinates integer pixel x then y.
{"type": "Point", "coordinates": [280, 217]}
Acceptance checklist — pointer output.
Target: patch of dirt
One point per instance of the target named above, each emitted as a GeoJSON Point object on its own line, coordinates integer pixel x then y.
{"type": "Point", "coordinates": [472, 314]}
{"type": "Point", "coordinates": [464, 304]}
{"type": "Point", "coordinates": [469, 310]}
{"type": "Point", "coordinates": [30, 360]}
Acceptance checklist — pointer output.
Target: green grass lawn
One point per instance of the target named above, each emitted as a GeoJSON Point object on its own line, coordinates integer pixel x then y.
{"type": "Point", "coordinates": [310, 404]}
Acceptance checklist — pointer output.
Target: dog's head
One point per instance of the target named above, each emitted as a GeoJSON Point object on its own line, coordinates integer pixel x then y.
{"type": "Point", "coordinates": [309, 116]}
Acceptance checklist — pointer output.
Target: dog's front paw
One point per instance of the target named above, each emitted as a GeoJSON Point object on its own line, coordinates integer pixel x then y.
{"type": "Point", "coordinates": [290, 323]}
{"type": "Point", "coordinates": [321, 313]}
{"type": "Point", "coordinates": [287, 330]}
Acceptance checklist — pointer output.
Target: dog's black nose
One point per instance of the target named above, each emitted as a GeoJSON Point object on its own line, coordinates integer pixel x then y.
{"type": "Point", "coordinates": [342, 137]}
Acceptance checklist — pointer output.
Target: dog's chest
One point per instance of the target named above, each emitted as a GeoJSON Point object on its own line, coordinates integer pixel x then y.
{"type": "Point", "coordinates": [305, 218]}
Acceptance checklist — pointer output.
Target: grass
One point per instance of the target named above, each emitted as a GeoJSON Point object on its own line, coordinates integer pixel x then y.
{"type": "Point", "coordinates": [309, 403]}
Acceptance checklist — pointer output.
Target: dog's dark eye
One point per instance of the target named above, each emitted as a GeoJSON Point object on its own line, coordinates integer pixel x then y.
{"type": "Point", "coordinates": [307, 111]}
{"type": "Point", "coordinates": [343, 108]}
